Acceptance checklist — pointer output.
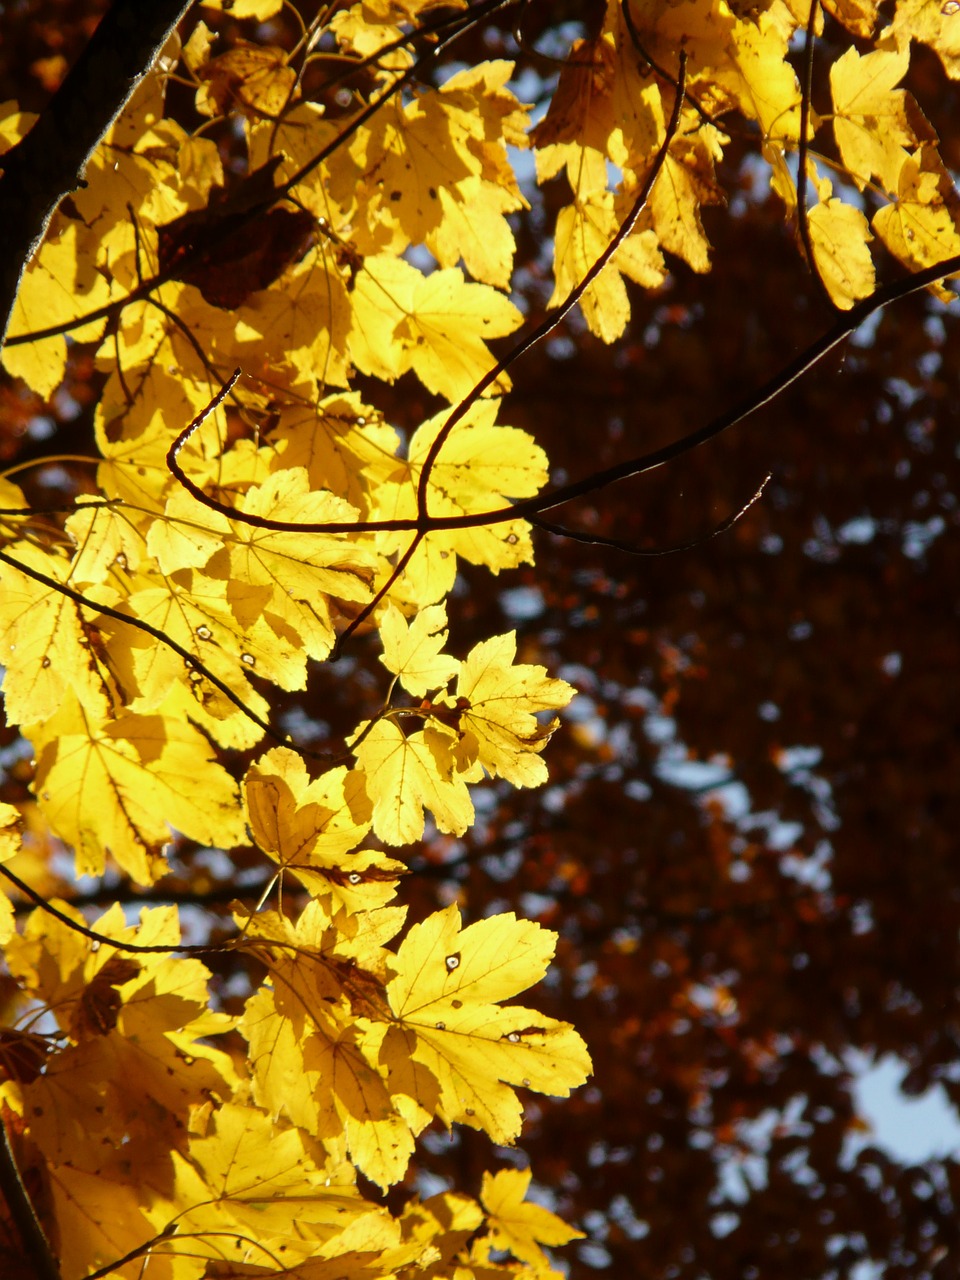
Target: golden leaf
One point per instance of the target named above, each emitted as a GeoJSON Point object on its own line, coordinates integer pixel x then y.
{"type": "Point", "coordinates": [405, 775]}
{"type": "Point", "coordinates": [118, 787]}
{"type": "Point", "coordinates": [444, 999]}
{"type": "Point", "coordinates": [413, 651]}
{"type": "Point", "coordinates": [870, 121]}
{"type": "Point", "coordinates": [518, 1225]}
{"type": "Point", "coordinates": [840, 233]}
{"type": "Point", "coordinates": [497, 703]}
{"type": "Point", "coordinates": [921, 228]}
{"type": "Point", "coordinates": [47, 645]}
{"type": "Point", "coordinates": [931, 23]}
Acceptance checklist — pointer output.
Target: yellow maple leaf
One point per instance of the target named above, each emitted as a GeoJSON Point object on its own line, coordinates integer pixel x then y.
{"type": "Point", "coordinates": [407, 774]}
{"type": "Point", "coordinates": [584, 231]}
{"type": "Point", "coordinates": [342, 443]}
{"type": "Point", "coordinates": [405, 156]}
{"type": "Point", "coordinates": [291, 816]}
{"type": "Point", "coordinates": [480, 467]}
{"type": "Point", "coordinates": [839, 234]}
{"type": "Point", "coordinates": [444, 998]}
{"type": "Point", "coordinates": [930, 23]}
{"type": "Point", "coordinates": [46, 642]}
{"type": "Point", "coordinates": [473, 228]}
{"type": "Point", "coordinates": [250, 79]}
{"type": "Point", "coordinates": [313, 828]}
{"type": "Point", "coordinates": [307, 1036]}
{"type": "Point", "coordinates": [239, 9]}
{"type": "Point", "coordinates": [447, 328]}
{"type": "Point", "coordinates": [921, 227]}
{"type": "Point", "coordinates": [438, 325]}
{"type": "Point", "coordinates": [304, 325]}
{"type": "Point", "coordinates": [870, 121]}
{"type": "Point", "coordinates": [600, 103]}
{"type": "Point", "coordinates": [137, 1060]}
{"type": "Point", "coordinates": [858, 16]}
{"type": "Point", "coordinates": [195, 611]}
{"type": "Point", "coordinates": [412, 651]}
{"type": "Point", "coordinates": [60, 283]}
{"type": "Point", "coordinates": [119, 786]}
{"type": "Point", "coordinates": [406, 10]}
{"type": "Point", "coordinates": [249, 1178]}
{"type": "Point", "coordinates": [497, 701]}
{"type": "Point", "coordinates": [10, 821]}
{"type": "Point", "coordinates": [106, 538]}
{"type": "Point", "coordinates": [437, 165]}
{"type": "Point", "coordinates": [687, 182]}
{"type": "Point", "coordinates": [516, 1224]}
{"type": "Point", "coordinates": [357, 33]}
{"type": "Point", "coordinates": [733, 63]}
{"type": "Point", "coordinates": [447, 1220]}
{"type": "Point", "coordinates": [287, 580]}
{"type": "Point", "coordinates": [99, 1215]}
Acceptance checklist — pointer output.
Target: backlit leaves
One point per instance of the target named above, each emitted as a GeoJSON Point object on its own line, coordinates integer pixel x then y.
{"type": "Point", "coordinates": [408, 773]}
{"type": "Point", "coordinates": [328, 246]}
{"type": "Point", "coordinates": [446, 1000]}
{"type": "Point", "coordinates": [517, 1225]}
{"type": "Point", "coordinates": [118, 787]}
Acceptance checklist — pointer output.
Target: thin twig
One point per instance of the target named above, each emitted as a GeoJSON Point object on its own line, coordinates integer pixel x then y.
{"type": "Point", "coordinates": [616, 544]}
{"type": "Point", "coordinates": [102, 939]}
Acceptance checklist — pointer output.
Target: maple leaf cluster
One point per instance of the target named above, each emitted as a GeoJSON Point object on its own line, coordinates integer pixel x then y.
{"type": "Point", "coordinates": [234, 536]}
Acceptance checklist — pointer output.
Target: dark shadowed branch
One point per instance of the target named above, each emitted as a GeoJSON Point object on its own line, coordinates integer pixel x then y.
{"type": "Point", "coordinates": [35, 1247]}
{"type": "Point", "coordinates": [48, 163]}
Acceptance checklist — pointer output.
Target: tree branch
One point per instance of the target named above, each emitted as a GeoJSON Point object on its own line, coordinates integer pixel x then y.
{"type": "Point", "coordinates": [34, 1242]}
{"type": "Point", "coordinates": [49, 162]}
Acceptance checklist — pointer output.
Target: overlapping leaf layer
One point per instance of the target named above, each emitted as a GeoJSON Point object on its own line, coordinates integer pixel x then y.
{"type": "Point", "coordinates": [325, 244]}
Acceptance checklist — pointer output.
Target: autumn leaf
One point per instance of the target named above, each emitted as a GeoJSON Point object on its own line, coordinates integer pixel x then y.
{"type": "Point", "coordinates": [858, 16]}
{"type": "Point", "coordinates": [839, 234]}
{"type": "Point", "coordinates": [47, 645]}
{"type": "Point", "coordinates": [932, 24]}
{"type": "Point", "coordinates": [921, 227]}
{"type": "Point", "coordinates": [413, 651]}
{"type": "Point", "coordinates": [480, 467]}
{"type": "Point", "coordinates": [308, 1054]}
{"type": "Point", "coordinates": [247, 1176]}
{"type": "Point", "coordinates": [446, 1001]}
{"type": "Point", "coordinates": [60, 281]}
{"type": "Point", "coordinates": [119, 786]}
{"type": "Point", "coordinates": [516, 1224]}
{"type": "Point", "coordinates": [135, 1070]}
{"type": "Point", "coordinates": [408, 773]}
{"type": "Point", "coordinates": [9, 848]}
{"type": "Point", "coordinates": [438, 325]}
{"type": "Point", "coordinates": [313, 828]}
{"type": "Point", "coordinates": [498, 701]}
{"type": "Point", "coordinates": [871, 122]}
{"type": "Point", "coordinates": [584, 231]}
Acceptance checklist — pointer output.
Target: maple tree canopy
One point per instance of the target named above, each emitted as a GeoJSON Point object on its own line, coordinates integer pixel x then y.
{"type": "Point", "coordinates": [279, 255]}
